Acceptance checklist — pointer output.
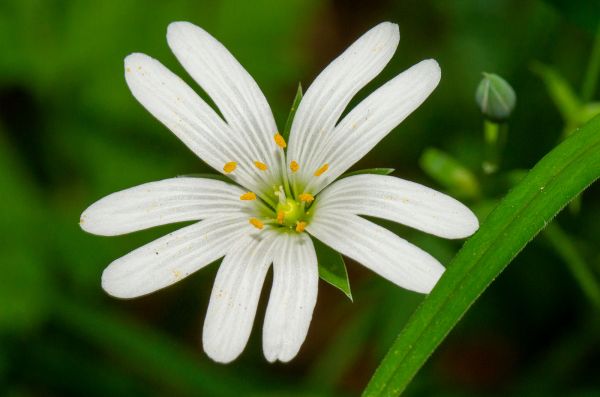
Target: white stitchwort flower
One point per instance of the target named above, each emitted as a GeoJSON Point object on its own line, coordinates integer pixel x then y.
{"type": "Point", "coordinates": [283, 192]}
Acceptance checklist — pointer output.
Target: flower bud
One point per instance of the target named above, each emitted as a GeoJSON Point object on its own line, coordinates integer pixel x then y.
{"type": "Point", "coordinates": [495, 97]}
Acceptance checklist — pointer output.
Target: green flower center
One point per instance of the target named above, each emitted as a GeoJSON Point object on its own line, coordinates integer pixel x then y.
{"type": "Point", "coordinates": [290, 212]}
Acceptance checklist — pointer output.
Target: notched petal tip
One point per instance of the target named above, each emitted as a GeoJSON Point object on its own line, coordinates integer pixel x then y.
{"type": "Point", "coordinates": [282, 351]}
{"type": "Point", "coordinates": [275, 357]}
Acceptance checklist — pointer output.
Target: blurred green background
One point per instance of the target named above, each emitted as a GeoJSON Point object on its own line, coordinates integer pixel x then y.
{"type": "Point", "coordinates": [71, 133]}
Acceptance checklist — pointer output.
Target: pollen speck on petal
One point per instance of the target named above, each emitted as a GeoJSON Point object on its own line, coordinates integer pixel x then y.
{"type": "Point", "coordinates": [321, 170]}
{"type": "Point", "coordinates": [261, 166]}
{"type": "Point", "coordinates": [229, 167]}
{"type": "Point", "coordinates": [256, 223]}
{"type": "Point", "coordinates": [248, 196]}
{"type": "Point", "coordinates": [280, 141]}
{"type": "Point", "coordinates": [294, 166]}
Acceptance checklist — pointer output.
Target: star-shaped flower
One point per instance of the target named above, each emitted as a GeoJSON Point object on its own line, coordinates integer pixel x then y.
{"type": "Point", "coordinates": [283, 193]}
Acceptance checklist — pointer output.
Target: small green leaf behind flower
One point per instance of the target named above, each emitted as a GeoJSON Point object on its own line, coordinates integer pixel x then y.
{"type": "Point", "coordinates": [495, 97]}
{"type": "Point", "coordinates": [290, 118]}
{"type": "Point", "coordinates": [332, 268]}
{"type": "Point", "coordinates": [376, 171]}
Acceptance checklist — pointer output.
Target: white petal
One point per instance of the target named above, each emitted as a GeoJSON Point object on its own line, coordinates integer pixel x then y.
{"type": "Point", "coordinates": [292, 299]}
{"type": "Point", "coordinates": [377, 249]}
{"type": "Point", "coordinates": [332, 90]}
{"type": "Point", "coordinates": [235, 295]}
{"type": "Point", "coordinates": [163, 202]}
{"type": "Point", "coordinates": [171, 258]}
{"type": "Point", "coordinates": [180, 109]}
{"type": "Point", "coordinates": [229, 85]}
{"type": "Point", "coordinates": [372, 119]}
{"type": "Point", "coordinates": [401, 201]}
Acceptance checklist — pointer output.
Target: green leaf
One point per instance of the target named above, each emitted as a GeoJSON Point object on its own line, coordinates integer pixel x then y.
{"type": "Point", "coordinates": [548, 187]}
{"type": "Point", "coordinates": [560, 91]}
{"type": "Point", "coordinates": [290, 119]}
{"type": "Point", "coordinates": [332, 268]}
{"type": "Point", "coordinates": [376, 171]}
{"type": "Point", "coordinates": [450, 173]}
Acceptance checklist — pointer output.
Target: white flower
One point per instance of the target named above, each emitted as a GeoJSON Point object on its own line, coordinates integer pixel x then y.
{"type": "Point", "coordinates": [278, 195]}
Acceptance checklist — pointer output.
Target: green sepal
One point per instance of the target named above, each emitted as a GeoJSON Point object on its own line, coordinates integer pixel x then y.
{"type": "Point", "coordinates": [376, 171]}
{"type": "Point", "coordinates": [290, 118]}
{"type": "Point", "coordinates": [332, 268]}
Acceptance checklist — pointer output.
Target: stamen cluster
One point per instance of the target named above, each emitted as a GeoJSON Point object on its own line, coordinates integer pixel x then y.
{"type": "Point", "coordinates": [292, 211]}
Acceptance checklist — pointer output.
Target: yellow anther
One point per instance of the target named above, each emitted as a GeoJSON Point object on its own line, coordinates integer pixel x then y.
{"type": "Point", "coordinates": [280, 216]}
{"type": "Point", "coordinates": [321, 170]}
{"type": "Point", "coordinates": [306, 197]}
{"type": "Point", "coordinates": [229, 167]}
{"type": "Point", "coordinates": [300, 226]}
{"type": "Point", "coordinates": [294, 166]}
{"type": "Point", "coordinates": [260, 166]}
{"type": "Point", "coordinates": [256, 223]}
{"type": "Point", "coordinates": [248, 196]}
{"type": "Point", "coordinates": [280, 141]}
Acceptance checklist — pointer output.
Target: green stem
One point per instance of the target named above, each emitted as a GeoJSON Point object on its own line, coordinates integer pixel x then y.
{"type": "Point", "coordinates": [494, 136]}
{"type": "Point", "coordinates": [563, 245]}
{"type": "Point", "coordinates": [588, 88]}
